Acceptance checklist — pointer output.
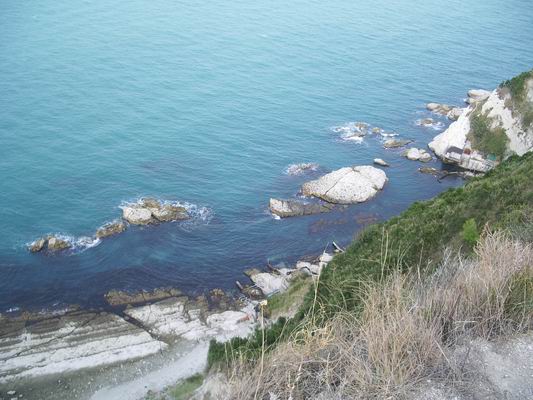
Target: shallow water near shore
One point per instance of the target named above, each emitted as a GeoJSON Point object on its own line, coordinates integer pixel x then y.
{"type": "Point", "coordinates": [209, 103]}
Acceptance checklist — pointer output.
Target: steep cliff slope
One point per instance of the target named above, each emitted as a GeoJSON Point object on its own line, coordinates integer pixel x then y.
{"type": "Point", "coordinates": [492, 129]}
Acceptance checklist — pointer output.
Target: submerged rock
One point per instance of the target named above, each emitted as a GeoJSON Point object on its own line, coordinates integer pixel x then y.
{"type": "Point", "coordinates": [299, 169]}
{"type": "Point", "coordinates": [418, 155]}
{"type": "Point", "coordinates": [293, 208]}
{"type": "Point", "coordinates": [111, 228]}
{"type": "Point", "coordinates": [395, 143]}
{"type": "Point", "coordinates": [429, 170]}
{"type": "Point", "coordinates": [381, 162]}
{"type": "Point", "coordinates": [119, 297]}
{"type": "Point", "coordinates": [347, 185]}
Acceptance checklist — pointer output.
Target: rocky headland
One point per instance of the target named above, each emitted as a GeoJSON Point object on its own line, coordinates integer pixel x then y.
{"type": "Point", "coordinates": [494, 126]}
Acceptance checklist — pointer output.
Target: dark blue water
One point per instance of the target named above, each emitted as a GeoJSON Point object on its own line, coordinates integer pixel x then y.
{"type": "Point", "coordinates": [208, 103]}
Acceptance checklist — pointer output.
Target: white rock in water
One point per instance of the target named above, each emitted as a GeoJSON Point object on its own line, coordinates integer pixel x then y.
{"type": "Point", "coordinates": [137, 215]}
{"type": "Point", "coordinates": [418, 155]}
{"type": "Point", "coordinates": [477, 95]}
{"type": "Point", "coordinates": [347, 185]}
{"type": "Point", "coordinates": [270, 283]}
{"type": "Point", "coordinates": [454, 136]}
{"type": "Point", "coordinates": [455, 113]}
{"type": "Point", "coordinates": [381, 162]}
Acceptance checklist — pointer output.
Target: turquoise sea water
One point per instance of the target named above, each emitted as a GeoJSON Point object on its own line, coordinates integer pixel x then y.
{"type": "Point", "coordinates": [208, 103]}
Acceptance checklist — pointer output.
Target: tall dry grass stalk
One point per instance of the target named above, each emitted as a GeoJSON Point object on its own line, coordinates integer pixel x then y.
{"type": "Point", "coordinates": [403, 334]}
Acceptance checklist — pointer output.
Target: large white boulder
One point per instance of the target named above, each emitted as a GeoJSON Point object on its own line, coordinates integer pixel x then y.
{"type": "Point", "coordinates": [454, 136]}
{"type": "Point", "coordinates": [418, 155]}
{"type": "Point", "coordinates": [477, 95]}
{"type": "Point", "coordinates": [347, 185]}
{"type": "Point", "coordinates": [137, 215]}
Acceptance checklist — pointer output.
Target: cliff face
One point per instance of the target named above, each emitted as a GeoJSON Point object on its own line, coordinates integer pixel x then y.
{"type": "Point", "coordinates": [491, 129]}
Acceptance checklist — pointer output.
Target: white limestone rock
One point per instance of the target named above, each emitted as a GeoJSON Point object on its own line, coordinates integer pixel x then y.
{"type": "Point", "coordinates": [418, 155]}
{"type": "Point", "coordinates": [137, 215]}
{"type": "Point", "coordinates": [477, 95]}
{"type": "Point", "coordinates": [270, 283]}
{"type": "Point", "coordinates": [71, 342]}
{"type": "Point", "coordinates": [347, 185]}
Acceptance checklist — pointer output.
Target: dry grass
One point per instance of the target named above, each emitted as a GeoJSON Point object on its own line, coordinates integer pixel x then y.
{"type": "Point", "coordinates": [403, 334]}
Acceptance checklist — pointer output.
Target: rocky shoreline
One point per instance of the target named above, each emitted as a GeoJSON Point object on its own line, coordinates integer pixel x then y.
{"type": "Point", "coordinates": [137, 325]}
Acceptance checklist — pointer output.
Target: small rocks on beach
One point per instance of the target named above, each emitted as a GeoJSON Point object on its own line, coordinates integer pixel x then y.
{"type": "Point", "coordinates": [347, 185]}
{"type": "Point", "coordinates": [293, 208]}
{"type": "Point", "coordinates": [415, 154]}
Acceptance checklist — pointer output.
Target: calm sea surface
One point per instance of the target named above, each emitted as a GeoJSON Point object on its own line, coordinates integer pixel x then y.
{"type": "Point", "coordinates": [208, 103]}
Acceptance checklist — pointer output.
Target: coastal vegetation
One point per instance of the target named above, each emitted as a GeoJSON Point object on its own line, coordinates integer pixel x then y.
{"type": "Point", "coordinates": [485, 138]}
{"type": "Point", "coordinates": [407, 249]}
{"type": "Point", "coordinates": [518, 88]}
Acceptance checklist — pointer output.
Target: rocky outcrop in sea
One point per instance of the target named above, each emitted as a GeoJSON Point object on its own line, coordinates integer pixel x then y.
{"type": "Point", "coordinates": [495, 125]}
{"type": "Point", "coordinates": [347, 185]}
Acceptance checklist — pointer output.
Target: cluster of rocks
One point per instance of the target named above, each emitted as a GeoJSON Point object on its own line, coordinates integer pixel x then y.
{"type": "Point", "coordinates": [51, 243]}
{"type": "Point", "coordinates": [152, 211]}
{"type": "Point", "coordinates": [415, 154]}
{"type": "Point", "coordinates": [347, 185]}
{"type": "Point", "coordinates": [277, 280]}
{"type": "Point", "coordinates": [429, 123]}
{"type": "Point", "coordinates": [453, 113]}
{"type": "Point", "coordinates": [143, 212]}
{"type": "Point", "coordinates": [356, 131]}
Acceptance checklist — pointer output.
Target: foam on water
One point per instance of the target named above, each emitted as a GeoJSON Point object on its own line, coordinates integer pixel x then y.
{"type": "Point", "coordinates": [301, 168]}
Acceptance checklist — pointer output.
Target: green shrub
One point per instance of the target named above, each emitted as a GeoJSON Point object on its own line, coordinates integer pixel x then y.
{"type": "Point", "coordinates": [486, 139]}
{"type": "Point", "coordinates": [470, 232]}
{"type": "Point", "coordinates": [518, 89]}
